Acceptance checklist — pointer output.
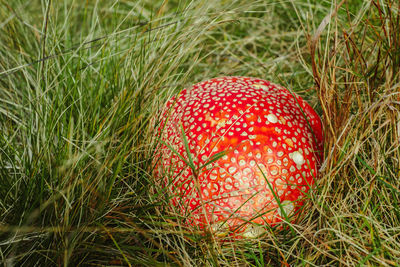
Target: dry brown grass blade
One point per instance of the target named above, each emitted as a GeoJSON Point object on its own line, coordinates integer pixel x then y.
{"type": "Point", "coordinates": [317, 35]}
{"type": "Point", "coordinates": [329, 125]}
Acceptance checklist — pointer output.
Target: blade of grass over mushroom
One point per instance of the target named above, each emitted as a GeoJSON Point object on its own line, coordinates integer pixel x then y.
{"type": "Point", "coordinates": [186, 161]}
{"type": "Point", "coordinates": [234, 212]}
{"type": "Point", "coordinates": [277, 199]}
{"type": "Point", "coordinates": [215, 157]}
{"type": "Point", "coordinates": [188, 153]}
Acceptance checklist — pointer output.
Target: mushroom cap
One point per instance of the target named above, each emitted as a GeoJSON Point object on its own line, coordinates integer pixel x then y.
{"type": "Point", "coordinates": [271, 141]}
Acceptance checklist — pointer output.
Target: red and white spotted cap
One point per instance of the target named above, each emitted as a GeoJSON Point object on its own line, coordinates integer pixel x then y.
{"type": "Point", "coordinates": [271, 138]}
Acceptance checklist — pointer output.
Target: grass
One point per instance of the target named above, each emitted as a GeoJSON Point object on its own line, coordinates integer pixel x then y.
{"type": "Point", "coordinates": [82, 83]}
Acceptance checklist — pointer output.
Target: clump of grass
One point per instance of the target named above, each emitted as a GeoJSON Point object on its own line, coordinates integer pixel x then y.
{"type": "Point", "coordinates": [356, 72]}
{"type": "Point", "coordinates": [81, 84]}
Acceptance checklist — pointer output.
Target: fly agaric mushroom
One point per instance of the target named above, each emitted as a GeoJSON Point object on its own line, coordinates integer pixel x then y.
{"type": "Point", "coordinates": [239, 152]}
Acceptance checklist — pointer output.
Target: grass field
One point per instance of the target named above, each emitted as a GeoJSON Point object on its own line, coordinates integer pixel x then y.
{"type": "Point", "coordinates": [81, 82]}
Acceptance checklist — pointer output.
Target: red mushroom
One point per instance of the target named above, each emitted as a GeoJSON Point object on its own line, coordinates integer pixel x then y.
{"type": "Point", "coordinates": [270, 137]}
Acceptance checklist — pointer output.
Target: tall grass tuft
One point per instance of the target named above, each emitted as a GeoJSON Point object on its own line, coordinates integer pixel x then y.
{"type": "Point", "coordinates": [357, 80]}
